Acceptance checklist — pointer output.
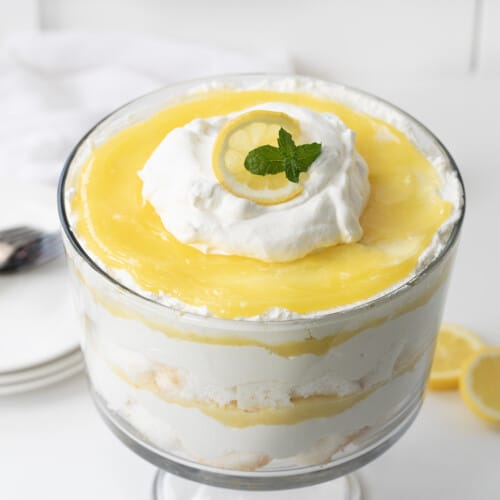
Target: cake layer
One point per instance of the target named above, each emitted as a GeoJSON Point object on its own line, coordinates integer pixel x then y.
{"type": "Point", "coordinates": [191, 433]}
{"type": "Point", "coordinates": [252, 376]}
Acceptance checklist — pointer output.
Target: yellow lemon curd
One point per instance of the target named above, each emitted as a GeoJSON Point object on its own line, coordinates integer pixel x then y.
{"type": "Point", "coordinates": [124, 232]}
{"type": "Point", "coordinates": [301, 409]}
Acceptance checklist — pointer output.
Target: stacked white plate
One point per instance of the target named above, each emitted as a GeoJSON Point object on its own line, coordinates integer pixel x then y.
{"type": "Point", "coordinates": [36, 376]}
{"type": "Point", "coordinates": [38, 324]}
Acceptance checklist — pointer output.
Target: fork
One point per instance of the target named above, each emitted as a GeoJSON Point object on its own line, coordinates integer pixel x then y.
{"type": "Point", "coordinates": [23, 246]}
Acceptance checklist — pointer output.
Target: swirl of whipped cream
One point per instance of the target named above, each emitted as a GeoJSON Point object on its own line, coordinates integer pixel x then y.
{"type": "Point", "coordinates": [179, 182]}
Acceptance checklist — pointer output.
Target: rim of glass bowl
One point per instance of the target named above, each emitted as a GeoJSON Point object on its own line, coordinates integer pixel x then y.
{"type": "Point", "coordinates": [246, 79]}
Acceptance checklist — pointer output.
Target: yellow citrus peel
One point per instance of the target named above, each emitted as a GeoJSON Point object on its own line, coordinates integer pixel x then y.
{"type": "Point", "coordinates": [455, 344]}
{"type": "Point", "coordinates": [240, 136]}
{"type": "Point", "coordinates": [480, 384]}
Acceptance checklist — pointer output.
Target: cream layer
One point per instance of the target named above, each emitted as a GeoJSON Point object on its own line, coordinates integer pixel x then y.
{"type": "Point", "coordinates": [212, 219]}
{"type": "Point", "coordinates": [192, 434]}
{"type": "Point", "coordinates": [252, 376]}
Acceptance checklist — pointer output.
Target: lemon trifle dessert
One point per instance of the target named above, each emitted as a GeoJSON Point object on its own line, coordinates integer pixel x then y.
{"type": "Point", "coordinates": [261, 265]}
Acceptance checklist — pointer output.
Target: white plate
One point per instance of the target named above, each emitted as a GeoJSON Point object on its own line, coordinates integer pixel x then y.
{"type": "Point", "coordinates": [38, 322]}
{"type": "Point", "coordinates": [43, 370]}
{"type": "Point", "coordinates": [37, 383]}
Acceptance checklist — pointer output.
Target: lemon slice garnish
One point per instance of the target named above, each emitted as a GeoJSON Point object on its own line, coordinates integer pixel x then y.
{"type": "Point", "coordinates": [480, 384]}
{"type": "Point", "coordinates": [454, 345]}
{"type": "Point", "coordinates": [236, 139]}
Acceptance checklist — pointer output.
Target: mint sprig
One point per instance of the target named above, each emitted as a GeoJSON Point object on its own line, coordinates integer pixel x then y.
{"type": "Point", "coordinates": [287, 157]}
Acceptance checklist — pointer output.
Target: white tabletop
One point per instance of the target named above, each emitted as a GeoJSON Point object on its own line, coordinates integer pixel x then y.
{"type": "Point", "coordinates": [54, 446]}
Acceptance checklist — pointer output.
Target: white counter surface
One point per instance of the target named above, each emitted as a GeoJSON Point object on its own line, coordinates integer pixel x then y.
{"type": "Point", "coordinates": [54, 446]}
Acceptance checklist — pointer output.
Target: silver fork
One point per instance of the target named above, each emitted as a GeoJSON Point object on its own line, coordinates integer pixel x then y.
{"type": "Point", "coordinates": [23, 246]}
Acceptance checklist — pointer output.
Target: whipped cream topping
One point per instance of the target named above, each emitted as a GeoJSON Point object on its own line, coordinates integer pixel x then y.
{"type": "Point", "coordinates": [179, 182]}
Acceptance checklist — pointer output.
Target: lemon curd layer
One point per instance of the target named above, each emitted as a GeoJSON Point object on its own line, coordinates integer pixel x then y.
{"type": "Point", "coordinates": [301, 408]}
{"type": "Point", "coordinates": [123, 232]}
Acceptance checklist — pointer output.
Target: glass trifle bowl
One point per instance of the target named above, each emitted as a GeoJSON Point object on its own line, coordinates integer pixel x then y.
{"type": "Point", "coordinates": [239, 377]}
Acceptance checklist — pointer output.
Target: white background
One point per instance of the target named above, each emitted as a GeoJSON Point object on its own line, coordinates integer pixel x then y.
{"type": "Point", "coordinates": [437, 59]}
{"type": "Point", "coordinates": [337, 39]}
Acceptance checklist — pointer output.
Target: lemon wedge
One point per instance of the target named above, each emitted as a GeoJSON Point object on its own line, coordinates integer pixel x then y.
{"type": "Point", "coordinates": [454, 345]}
{"type": "Point", "coordinates": [236, 139]}
{"type": "Point", "coordinates": [480, 384]}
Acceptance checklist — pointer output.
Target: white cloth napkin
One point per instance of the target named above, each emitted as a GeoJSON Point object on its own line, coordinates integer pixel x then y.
{"type": "Point", "coordinates": [55, 85]}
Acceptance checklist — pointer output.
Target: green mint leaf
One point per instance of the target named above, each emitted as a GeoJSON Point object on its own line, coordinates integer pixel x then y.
{"type": "Point", "coordinates": [292, 169]}
{"type": "Point", "coordinates": [285, 144]}
{"type": "Point", "coordinates": [306, 154]}
{"type": "Point", "coordinates": [287, 157]}
{"type": "Point", "coordinates": [288, 152]}
{"type": "Point", "coordinates": [264, 160]}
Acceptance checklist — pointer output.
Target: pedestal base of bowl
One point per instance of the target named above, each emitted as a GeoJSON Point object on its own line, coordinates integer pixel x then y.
{"type": "Point", "coordinates": [171, 487]}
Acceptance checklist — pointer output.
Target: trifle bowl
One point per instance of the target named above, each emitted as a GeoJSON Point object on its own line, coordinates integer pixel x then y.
{"type": "Point", "coordinates": [250, 331]}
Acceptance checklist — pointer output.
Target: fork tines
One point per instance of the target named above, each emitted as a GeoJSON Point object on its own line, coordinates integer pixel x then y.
{"type": "Point", "coordinates": [25, 246]}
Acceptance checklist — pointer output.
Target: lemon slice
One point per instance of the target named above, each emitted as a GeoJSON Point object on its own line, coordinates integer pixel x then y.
{"type": "Point", "coordinates": [480, 384]}
{"type": "Point", "coordinates": [236, 139]}
{"type": "Point", "coordinates": [454, 345]}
